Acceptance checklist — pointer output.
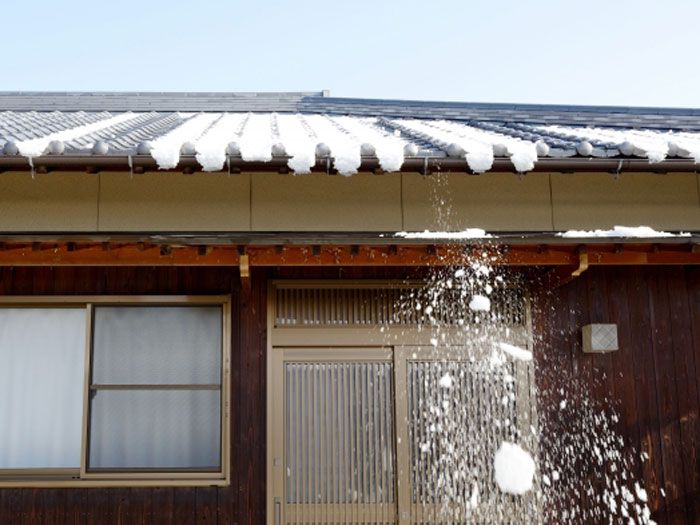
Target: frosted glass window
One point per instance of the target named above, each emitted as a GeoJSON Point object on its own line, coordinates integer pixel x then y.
{"type": "Point", "coordinates": [42, 355]}
{"type": "Point", "coordinates": [157, 345]}
{"type": "Point", "coordinates": [156, 388]}
{"type": "Point", "coordinates": [156, 429]}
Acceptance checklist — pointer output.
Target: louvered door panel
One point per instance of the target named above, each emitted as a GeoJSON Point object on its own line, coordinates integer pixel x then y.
{"type": "Point", "coordinates": [459, 412]}
{"type": "Point", "coordinates": [339, 453]}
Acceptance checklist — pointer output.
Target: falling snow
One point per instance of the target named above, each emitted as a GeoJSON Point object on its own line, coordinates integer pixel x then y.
{"type": "Point", "coordinates": [480, 303]}
{"type": "Point", "coordinates": [514, 469]}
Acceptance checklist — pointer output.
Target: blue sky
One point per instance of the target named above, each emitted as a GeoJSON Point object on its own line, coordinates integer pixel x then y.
{"type": "Point", "coordinates": [596, 52]}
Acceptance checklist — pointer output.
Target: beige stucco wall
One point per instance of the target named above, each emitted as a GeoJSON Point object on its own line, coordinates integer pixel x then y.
{"type": "Point", "coordinates": [493, 201]}
{"type": "Point", "coordinates": [364, 202]}
{"type": "Point", "coordinates": [48, 202]}
{"type": "Point", "coordinates": [600, 200]}
{"type": "Point", "coordinates": [174, 202]}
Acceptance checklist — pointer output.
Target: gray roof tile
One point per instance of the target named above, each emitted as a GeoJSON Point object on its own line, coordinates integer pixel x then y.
{"type": "Point", "coordinates": [25, 116]}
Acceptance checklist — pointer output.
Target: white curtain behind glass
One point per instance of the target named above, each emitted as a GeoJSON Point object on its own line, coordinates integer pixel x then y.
{"type": "Point", "coordinates": [42, 353]}
{"type": "Point", "coordinates": [156, 428]}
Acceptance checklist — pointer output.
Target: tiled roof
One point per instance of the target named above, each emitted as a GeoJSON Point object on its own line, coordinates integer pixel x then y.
{"type": "Point", "coordinates": [303, 127]}
{"type": "Point", "coordinates": [152, 101]}
{"type": "Point", "coordinates": [615, 116]}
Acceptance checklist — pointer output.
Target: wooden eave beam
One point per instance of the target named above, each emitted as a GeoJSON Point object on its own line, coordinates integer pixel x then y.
{"type": "Point", "coordinates": [143, 254]}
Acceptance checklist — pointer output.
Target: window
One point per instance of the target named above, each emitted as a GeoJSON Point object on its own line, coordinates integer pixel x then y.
{"type": "Point", "coordinates": [41, 380]}
{"type": "Point", "coordinates": [113, 391]}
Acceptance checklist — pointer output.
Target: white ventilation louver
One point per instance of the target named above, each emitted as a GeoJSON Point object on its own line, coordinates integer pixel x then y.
{"type": "Point", "coordinates": [599, 338]}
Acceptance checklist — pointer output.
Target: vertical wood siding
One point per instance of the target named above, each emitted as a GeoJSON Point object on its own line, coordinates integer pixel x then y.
{"type": "Point", "coordinates": [653, 381]}
{"type": "Point", "coordinates": [240, 503]}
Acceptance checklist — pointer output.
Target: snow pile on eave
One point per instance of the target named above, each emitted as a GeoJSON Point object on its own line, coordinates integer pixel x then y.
{"type": "Point", "coordinates": [477, 153]}
{"type": "Point", "coordinates": [389, 149]}
{"type": "Point", "coordinates": [686, 145]}
{"type": "Point", "coordinates": [642, 232]}
{"type": "Point", "coordinates": [298, 141]}
{"type": "Point", "coordinates": [344, 147]}
{"type": "Point", "coordinates": [256, 138]}
{"type": "Point", "coordinates": [652, 144]}
{"type": "Point", "coordinates": [211, 147]}
{"type": "Point", "coordinates": [37, 146]}
{"type": "Point", "coordinates": [469, 233]}
{"type": "Point", "coordinates": [514, 469]}
{"type": "Point", "coordinates": [522, 153]}
{"type": "Point", "coordinates": [166, 149]}
{"type": "Point", "coordinates": [476, 145]}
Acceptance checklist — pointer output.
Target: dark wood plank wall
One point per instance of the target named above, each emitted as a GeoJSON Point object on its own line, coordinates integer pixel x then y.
{"type": "Point", "coordinates": [652, 380]}
{"type": "Point", "coordinates": [243, 501]}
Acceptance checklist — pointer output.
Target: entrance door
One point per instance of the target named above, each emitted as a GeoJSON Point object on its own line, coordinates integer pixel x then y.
{"type": "Point", "coordinates": [364, 427]}
{"type": "Point", "coordinates": [403, 435]}
{"type": "Point", "coordinates": [334, 455]}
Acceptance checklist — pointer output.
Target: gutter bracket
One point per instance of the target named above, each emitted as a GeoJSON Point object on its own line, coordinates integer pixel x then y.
{"type": "Point", "coordinates": [618, 170]}
{"type": "Point", "coordinates": [582, 262]}
{"type": "Point", "coordinates": [244, 269]}
{"type": "Point", "coordinates": [562, 275]}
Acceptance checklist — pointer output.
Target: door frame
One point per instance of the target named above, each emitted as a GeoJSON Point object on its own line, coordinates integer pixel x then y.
{"type": "Point", "coordinates": [307, 338]}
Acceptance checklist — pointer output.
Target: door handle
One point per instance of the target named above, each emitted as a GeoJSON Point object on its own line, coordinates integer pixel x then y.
{"type": "Point", "coordinates": [278, 512]}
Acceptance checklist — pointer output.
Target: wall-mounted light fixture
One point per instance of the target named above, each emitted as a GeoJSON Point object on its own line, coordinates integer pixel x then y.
{"type": "Point", "coordinates": [599, 338]}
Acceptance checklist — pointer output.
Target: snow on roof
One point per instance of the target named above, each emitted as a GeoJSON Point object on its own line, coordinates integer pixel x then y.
{"type": "Point", "coordinates": [469, 233]}
{"type": "Point", "coordinates": [303, 127]}
{"type": "Point", "coordinates": [617, 232]}
{"type": "Point", "coordinates": [629, 232]}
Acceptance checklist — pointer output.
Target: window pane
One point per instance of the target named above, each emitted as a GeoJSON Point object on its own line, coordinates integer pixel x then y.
{"type": "Point", "coordinates": [42, 355]}
{"type": "Point", "coordinates": [157, 429]}
{"type": "Point", "coordinates": [157, 345]}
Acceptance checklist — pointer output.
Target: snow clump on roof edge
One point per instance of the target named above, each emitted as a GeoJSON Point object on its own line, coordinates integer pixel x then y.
{"type": "Point", "coordinates": [621, 231]}
{"type": "Point", "coordinates": [211, 147]}
{"type": "Point", "coordinates": [166, 149]}
{"type": "Point", "coordinates": [256, 138]}
{"type": "Point", "coordinates": [299, 143]}
{"type": "Point", "coordinates": [469, 233]}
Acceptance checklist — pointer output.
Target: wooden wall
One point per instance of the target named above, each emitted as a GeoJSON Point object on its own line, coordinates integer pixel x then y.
{"type": "Point", "coordinates": [240, 503]}
{"type": "Point", "coordinates": [243, 502]}
{"type": "Point", "coordinates": [653, 381]}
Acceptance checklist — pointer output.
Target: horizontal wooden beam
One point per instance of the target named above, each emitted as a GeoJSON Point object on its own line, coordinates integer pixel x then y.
{"type": "Point", "coordinates": [141, 254]}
